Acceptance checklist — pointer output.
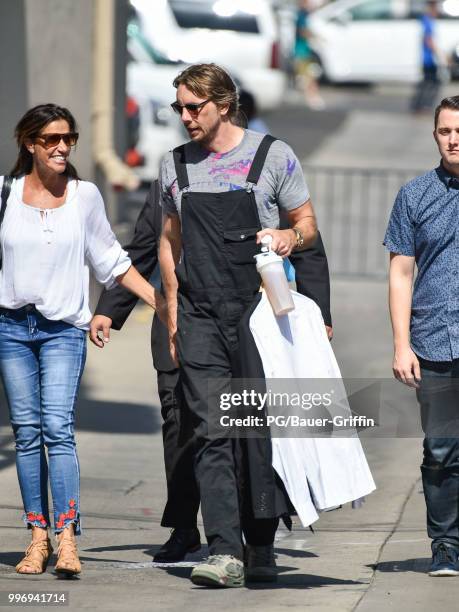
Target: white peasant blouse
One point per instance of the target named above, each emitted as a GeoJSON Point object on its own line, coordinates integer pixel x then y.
{"type": "Point", "coordinates": [48, 253]}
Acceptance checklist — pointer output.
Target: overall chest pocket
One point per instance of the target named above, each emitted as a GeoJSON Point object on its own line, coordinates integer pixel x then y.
{"type": "Point", "coordinates": [241, 245]}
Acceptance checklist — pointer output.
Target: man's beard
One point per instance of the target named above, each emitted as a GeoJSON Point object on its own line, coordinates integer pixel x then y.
{"type": "Point", "coordinates": [208, 137]}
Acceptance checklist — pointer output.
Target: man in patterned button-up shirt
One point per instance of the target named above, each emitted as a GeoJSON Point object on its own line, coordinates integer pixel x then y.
{"type": "Point", "coordinates": [424, 229]}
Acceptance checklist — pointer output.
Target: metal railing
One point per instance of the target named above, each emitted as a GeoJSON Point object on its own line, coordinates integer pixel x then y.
{"type": "Point", "coordinates": [353, 207]}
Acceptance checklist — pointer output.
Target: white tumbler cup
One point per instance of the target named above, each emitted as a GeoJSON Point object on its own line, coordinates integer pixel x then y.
{"type": "Point", "coordinates": [271, 269]}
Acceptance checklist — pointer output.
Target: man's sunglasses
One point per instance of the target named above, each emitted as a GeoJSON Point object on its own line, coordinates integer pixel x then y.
{"type": "Point", "coordinates": [52, 140]}
{"type": "Point", "coordinates": [192, 108]}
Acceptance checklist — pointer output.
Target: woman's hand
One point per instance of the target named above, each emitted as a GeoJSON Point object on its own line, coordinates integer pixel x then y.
{"type": "Point", "coordinates": [100, 323]}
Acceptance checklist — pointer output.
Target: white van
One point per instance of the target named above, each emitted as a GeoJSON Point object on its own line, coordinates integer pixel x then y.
{"type": "Point", "coordinates": [240, 35]}
{"type": "Point", "coordinates": [377, 40]}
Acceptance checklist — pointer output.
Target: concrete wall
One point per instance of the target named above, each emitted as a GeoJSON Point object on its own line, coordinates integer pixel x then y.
{"type": "Point", "coordinates": [120, 59]}
{"type": "Point", "coordinates": [59, 60]}
{"type": "Point", "coordinates": [46, 55]}
{"type": "Point", "coordinates": [13, 77]}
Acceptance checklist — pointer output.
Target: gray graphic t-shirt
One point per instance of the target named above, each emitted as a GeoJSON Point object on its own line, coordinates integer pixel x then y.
{"type": "Point", "coordinates": [281, 184]}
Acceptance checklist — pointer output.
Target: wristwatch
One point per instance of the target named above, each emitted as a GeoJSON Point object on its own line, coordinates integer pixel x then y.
{"type": "Point", "coordinates": [299, 238]}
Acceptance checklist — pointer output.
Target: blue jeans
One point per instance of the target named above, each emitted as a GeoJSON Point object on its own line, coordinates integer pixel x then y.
{"type": "Point", "coordinates": [41, 363]}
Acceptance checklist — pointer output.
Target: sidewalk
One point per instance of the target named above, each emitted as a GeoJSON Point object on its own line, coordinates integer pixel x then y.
{"type": "Point", "coordinates": [400, 581]}
{"type": "Point", "coordinates": [123, 494]}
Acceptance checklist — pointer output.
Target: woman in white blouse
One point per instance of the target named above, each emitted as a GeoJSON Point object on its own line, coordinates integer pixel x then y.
{"type": "Point", "coordinates": [54, 229]}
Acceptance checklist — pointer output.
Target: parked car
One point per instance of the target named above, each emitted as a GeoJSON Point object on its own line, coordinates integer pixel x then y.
{"type": "Point", "coordinates": [241, 35]}
{"type": "Point", "coordinates": [377, 40]}
{"type": "Point", "coordinates": [159, 131]}
{"type": "Point", "coordinates": [150, 91]}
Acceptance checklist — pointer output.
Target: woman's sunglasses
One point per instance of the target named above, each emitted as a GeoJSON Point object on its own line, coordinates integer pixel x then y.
{"type": "Point", "coordinates": [52, 140]}
{"type": "Point", "coordinates": [192, 108]}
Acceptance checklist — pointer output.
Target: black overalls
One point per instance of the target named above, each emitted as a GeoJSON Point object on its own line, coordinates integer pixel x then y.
{"type": "Point", "coordinates": [218, 281]}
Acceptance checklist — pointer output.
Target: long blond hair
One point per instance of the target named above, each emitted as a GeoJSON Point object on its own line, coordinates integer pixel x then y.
{"type": "Point", "coordinates": [212, 82]}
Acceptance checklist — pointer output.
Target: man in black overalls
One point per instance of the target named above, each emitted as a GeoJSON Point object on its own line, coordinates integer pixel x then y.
{"type": "Point", "coordinates": [215, 235]}
{"type": "Point", "coordinates": [312, 279]}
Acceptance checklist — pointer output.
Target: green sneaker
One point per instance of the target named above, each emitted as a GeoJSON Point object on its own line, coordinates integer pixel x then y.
{"type": "Point", "coordinates": [260, 564]}
{"type": "Point", "coordinates": [219, 571]}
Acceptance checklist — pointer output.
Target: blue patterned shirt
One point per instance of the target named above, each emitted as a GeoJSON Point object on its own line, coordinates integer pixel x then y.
{"type": "Point", "coordinates": [424, 224]}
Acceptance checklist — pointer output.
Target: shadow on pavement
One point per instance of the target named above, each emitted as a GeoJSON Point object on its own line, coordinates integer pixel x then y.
{"type": "Point", "coordinates": [114, 417]}
{"type": "Point", "coordinates": [7, 457]}
{"type": "Point", "coordinates": [91, 415]}
{"type": "Point", "coordinates": [11, 558]}
{"type": "Point", "coordinates": [151, 549]}
{"type": "Point", "coordinates": [291, 552]}
{"type": "Point", "coordinates": [285, 581]}
{"type": "Point", "coordinates": [148, 549]}
{"type": "Point", "coordinates": [419, 566]}
{"type": "Point", "coordinates": [4, 419]}
{"type": "Point", "coordinates": [290, 581]}
{"type": "Point", "coordinates": [302, 581]}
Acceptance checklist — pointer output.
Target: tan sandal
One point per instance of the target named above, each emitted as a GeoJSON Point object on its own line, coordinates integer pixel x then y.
{"type": "Point", "coordinates": [36, 557]}
{"type": "Point", "coordinates": [67, 554]}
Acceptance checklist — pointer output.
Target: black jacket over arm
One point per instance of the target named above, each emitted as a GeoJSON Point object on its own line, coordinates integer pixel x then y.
{"type": "Point", "coordinates": [117, 303]}
{"type": "Point", "coordinates": [313, 277]}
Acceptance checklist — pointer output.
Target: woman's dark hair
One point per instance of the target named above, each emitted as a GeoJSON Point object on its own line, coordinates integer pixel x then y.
{"type": "Point", "coordinates": [30, 126]}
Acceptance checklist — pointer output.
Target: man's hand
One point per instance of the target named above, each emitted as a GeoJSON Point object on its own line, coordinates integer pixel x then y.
{"type": "Point", "coordinates": [329, 331]}
{"type": "Point", "coordinates": [284, 241]}
{"type": "Point", "coordinates": [100, 323]}
{"type": "Point", "coordinates": [406, 367]}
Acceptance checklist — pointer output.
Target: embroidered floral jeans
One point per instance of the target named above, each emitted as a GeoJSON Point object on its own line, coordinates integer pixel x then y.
{"type": "Point", "coordinates": [41, 363]}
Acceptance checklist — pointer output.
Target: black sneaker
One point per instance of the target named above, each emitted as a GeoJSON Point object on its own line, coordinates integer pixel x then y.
{"type": "Point", "coordinates": [260, 565]}
{"type": "Point", "coordinates": [444, 561]}
{"type": "Point", "coordinates": [181, 542]}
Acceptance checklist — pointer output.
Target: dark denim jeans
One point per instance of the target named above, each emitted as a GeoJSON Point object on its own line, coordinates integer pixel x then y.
{"type": "Point", "coordinates": [438, 396]}
{"type": "Point", "coordinates": [41, 363]}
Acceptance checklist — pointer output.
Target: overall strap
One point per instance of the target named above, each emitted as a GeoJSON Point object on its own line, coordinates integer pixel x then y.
{"type": "Point", "coordinates": [6, 189]}
{"type": "Point", "coordinates": [259, 159]}
{"type": "Point", "coordinates": [180, 167]}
